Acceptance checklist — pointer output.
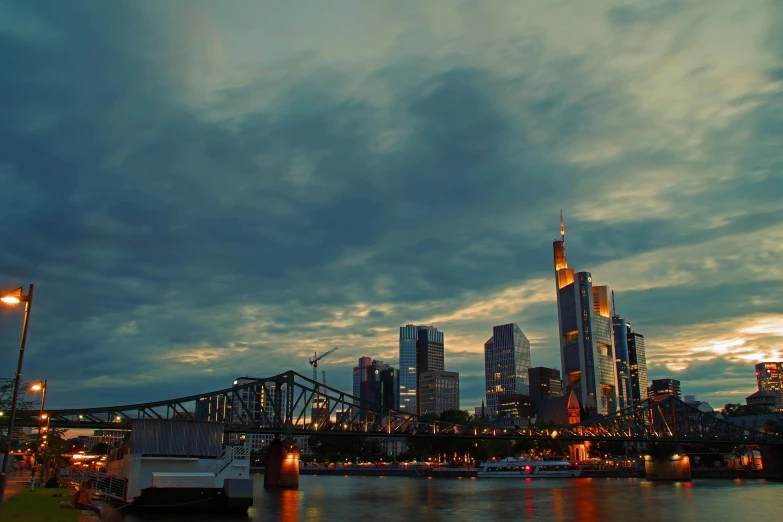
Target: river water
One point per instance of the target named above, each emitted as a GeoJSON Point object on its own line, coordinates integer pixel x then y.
{"type": "Point", "coordinates": [405, 499]}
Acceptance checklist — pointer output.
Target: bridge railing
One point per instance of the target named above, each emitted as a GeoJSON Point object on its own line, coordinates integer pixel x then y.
{"type": "Point", "coordinates": [291, 403]}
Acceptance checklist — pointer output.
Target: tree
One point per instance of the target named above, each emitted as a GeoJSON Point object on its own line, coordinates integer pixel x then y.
{"type": "Point", "coordinates": [461, 417]}
{"type": "Point", "coordinates": [100, 449]}
{"type": "Point", "coordinates": [6, 399]}
{"type": "Point", "coordinates": [56, 444]}
{"type": "Point", "coordinates": [597, 450]}
{"type": "Point", "coordinates": [775, 427]}
{"type": "Point", "coordinates": [338, 448]}
{"type": "Point", "coordinates": [741, 410]}
{"type": "Point", "coordinates": [75, 445]}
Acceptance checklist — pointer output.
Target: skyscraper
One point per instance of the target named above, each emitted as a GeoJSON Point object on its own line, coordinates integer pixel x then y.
{"type": "Point", "coordinates": [637, 362]}
{"type": "Point", "coordinates": [619, 328]}
{"type": "Point", "coordinates": [769, 376]}
{"type": "Point", "coordinates": [255, 404]}
{"type": "Point", "coordinates": [585, 328]}
{"type": "Point", "coordinates": [506, 364]}
{"type": "Point", "coordinates": [544, 382]}
{"type": "Point", "coordinates": [249, 402]}
{"type": "Point", "coordinates": [360, 376]}
{"type": "Point", "coordinates": [375, 383]}
{"type": "Point", "coordinates": [421, 350]}
{"type": "Point", "coordinates": [439, 391]}
{"type": "Point", "coordinates": [409, 336]}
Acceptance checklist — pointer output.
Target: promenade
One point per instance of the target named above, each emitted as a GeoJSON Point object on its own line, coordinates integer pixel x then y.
{"type": "Point", "coordinates": [17, 481]}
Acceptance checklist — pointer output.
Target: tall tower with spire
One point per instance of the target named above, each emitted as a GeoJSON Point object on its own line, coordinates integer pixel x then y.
{"type": "Point", "coordinates": [586, 337]}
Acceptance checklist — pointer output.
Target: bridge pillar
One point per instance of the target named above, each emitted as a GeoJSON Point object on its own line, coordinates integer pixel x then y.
{"type": "Point", "coordinates": [673, 468]}
{"type": "Point", "coordinates": [772, 461]}
{"type": "Point", "coordinates": [282, 465]}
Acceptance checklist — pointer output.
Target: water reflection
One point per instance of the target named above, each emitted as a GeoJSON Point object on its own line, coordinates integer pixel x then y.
{"type": "Point", "coordinates": [401, 499]}
{"type": "Point", "coordinates": [289, 505]}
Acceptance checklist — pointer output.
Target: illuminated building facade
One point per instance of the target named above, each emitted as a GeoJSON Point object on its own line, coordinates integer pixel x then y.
{"type": "Point", "coordinates": [421, 350]}
{"type": "Point", "coordinates": [662, 388]}
{"type": "Point", "coordinates": [769, 376]}
{"type": "Point", "coordinates": [637, 362]}
{"type": "Point", "coordinates": [248, 402]}
{"type": "Point", "coordinates": [544, 382]}
{"type": "Point", "coordinates": [254, 404]}
{"type": "Point", "coordinates": [506, 364]}
{"type": "Point", "coordinates": [622, 361]}
{"type": "Point", "coordinates": [438, 392]}
{"type": "Point", "coordinates": [514, 405]}
{"type": "Point", "coordinates": [586, 338]}
{"type": "Point", "coordinates": [111, 438]}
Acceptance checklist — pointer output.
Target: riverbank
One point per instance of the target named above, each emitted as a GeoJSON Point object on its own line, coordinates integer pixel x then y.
{"type": "Point", "coordinates": [382, 471]}
{"type": "Point", "coordinates": [440, 472]}
{"type": "Point", "coordinates": [388, 471]}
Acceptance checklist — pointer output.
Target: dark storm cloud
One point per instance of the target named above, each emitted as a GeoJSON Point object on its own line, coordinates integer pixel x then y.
{"type": "Point", "coordinates": [175, 243]}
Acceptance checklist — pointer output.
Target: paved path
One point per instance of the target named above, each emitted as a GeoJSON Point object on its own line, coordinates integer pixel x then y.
{"type": "Point", "coordinates": [16, 482]}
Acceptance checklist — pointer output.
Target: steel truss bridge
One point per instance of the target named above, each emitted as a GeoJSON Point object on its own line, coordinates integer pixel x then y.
{"type": "Point", "coordinates": [291, 404]}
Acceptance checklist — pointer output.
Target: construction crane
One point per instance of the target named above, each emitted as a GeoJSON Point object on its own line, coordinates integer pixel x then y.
{"type": "Point", "coordinates": [316, 358]}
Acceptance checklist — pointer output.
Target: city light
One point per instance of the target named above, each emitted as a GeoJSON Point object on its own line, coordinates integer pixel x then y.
{"type": "Point", "coordinates": [12, 298]}
{"type": "Point", "coordinates": [37, 387]}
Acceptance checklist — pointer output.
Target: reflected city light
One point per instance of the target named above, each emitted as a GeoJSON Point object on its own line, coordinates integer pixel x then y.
{"type": "Point", "coordinates": [289, 505]}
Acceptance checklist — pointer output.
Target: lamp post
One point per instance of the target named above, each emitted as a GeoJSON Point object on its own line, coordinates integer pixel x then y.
{"type": "Point", "coordinates": [42, 388]}
{"type": "Point", "coordinates": [14, 298]}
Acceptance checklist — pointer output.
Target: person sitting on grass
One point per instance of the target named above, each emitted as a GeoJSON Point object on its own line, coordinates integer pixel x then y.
{"type": "Point", "coordinates": [83, 498]}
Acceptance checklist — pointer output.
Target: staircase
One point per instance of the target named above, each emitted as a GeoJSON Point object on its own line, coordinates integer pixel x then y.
{"type": "Point", "coordinates": [229, 455]}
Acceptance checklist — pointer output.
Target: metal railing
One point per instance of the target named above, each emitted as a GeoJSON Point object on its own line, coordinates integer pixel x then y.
{"type": "Point", "coordinates": [106, 485]}
{"type": "Point", "coordinates": [230, 453]}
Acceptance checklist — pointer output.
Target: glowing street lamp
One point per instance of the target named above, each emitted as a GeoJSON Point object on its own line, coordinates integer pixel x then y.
{"type": "Point", "coordinates": [13, 298]}
{"type": "Point", "coordinates": [41, 387]}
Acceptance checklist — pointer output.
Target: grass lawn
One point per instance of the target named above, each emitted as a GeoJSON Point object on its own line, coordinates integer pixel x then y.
{"type": "Point", "coordinates": [38, 506]}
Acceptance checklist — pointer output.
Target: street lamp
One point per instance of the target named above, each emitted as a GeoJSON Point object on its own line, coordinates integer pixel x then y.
{"type": "Point", "coordinates": [41, 386]}
{"type": "Point", "coordinates": [14, 298]}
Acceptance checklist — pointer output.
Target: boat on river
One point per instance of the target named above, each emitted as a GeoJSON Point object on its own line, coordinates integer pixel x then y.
{"type": "Point", "coordinates": [528, 468]}
{"type": "Point", "coordinates": [175, 465]}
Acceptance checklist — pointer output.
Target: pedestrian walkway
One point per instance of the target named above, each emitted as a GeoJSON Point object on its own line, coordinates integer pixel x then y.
{"type": "Point", "coordinates": [15, 483]}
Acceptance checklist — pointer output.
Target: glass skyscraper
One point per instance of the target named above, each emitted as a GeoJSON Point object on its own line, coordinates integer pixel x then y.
{"type": "Point", "coordinates": [376, 383]}
{"type": "Point", "coordinates": [506, 364]}
{"type": "Point", "coordinates": [544, 383]}
{"type": "Point", "coordinates": [619, 327]}
{"type": "Point", "coordinates": [637, 362]}
{"type": "Point", "coordinates": [586, 338]}
{"type": "Point", "coordinates": [421, 350]}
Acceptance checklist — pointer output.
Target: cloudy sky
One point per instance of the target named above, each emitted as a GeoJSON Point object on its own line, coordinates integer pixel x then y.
{"type": "Point", "coordinates": [201, 190]}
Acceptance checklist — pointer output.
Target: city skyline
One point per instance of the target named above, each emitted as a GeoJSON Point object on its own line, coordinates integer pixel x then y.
{"type": "Point", "coordinates": [201, 193]}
